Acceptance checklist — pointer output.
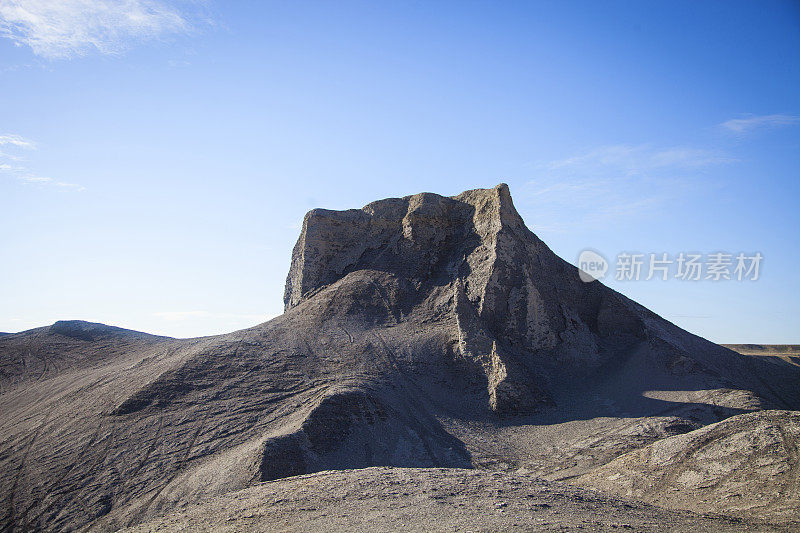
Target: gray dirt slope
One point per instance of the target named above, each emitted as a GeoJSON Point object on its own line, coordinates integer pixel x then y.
{"type": "Point", "coordinates": [423, 332]}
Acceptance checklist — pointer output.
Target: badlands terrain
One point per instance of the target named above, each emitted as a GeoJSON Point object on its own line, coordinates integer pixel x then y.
{"type": "Point", "coordinates": [437, 367]}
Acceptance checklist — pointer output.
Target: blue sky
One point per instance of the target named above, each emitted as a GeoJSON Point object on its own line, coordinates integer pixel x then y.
{"type": "Point", "coordinates": [157, 157]}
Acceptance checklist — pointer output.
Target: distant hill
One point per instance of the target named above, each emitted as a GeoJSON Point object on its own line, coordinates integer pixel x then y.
{"type": "Point", "coordinates": [789, 353]}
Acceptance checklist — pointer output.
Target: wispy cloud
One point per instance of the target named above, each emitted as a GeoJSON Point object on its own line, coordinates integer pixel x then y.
{"type": "Point", "coordinates": [58, 29]}
{"type": "Point", "coordinates": [42, 180]}
{"type": "Point", "coordinates": [744, 125]}
{"type": "Point", "coordinates": [35, 179]}
{"type": "Point", "coordinates": [16, 140]}
{"type": "Point", "coordinates": [22, 173]}
{"type": "Point", "coordinates": [638, 159]}
{"type": "Point", "coordinates": [614, 183]}
{"type": "Point", "coordinates": [179, 316]}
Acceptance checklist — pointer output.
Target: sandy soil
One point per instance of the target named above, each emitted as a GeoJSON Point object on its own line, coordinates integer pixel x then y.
{"type": "Point", "coordinates": [411, 499]}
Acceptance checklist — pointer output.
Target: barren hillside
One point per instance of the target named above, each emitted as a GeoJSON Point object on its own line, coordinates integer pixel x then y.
{"type": "Point", "coordinates": [425, 332]}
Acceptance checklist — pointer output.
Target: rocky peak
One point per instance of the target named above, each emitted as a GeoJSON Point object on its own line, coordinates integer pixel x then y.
{"type": "Point", "coordinates": [516, 313]}
{"type": "Point", "coordinates": [414, 237]}
{"type": "Point", "coordinates": [512, 301]}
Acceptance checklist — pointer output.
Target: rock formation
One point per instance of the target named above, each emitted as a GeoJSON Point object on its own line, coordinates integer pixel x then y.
{"type": "Point", "coordinates": [423, 331]}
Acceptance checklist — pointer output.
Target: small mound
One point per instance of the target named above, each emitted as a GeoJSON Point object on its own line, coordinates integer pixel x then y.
{"type": "Point", "coordinates": [353, 429]}
{"type": "Point", "coordinates": [747, 466]}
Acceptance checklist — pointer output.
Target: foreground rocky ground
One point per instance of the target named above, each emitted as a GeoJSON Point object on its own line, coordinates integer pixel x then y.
{"type": "Point", "coordinates": [419, 332]}
{"type": "Point", "coordinates": [434, 499]}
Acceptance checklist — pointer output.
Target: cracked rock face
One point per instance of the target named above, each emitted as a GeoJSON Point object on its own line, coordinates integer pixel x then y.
{"type": "Point", "coordinates": [424, 331]}
{"type": "Point", "coordinates": [472, 256]}
{"type": "Point", "coordinates": [521, 313]}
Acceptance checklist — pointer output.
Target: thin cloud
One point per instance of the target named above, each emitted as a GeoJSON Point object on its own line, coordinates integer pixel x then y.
{"type": "Point", "coordinates": [9, 157]}
{"type": "Point", "coordinates": [637, 159]}
{"type": "Point", "coordinates": [35, 179]}
{"type": "Point", "coordinates": [66, 185]}
{"type": "Point", "coordinates": [60, 29]}
{"type": "Point", "coordinates": [24, 174]}
{"type": "Point", "coordinates": [613, 184]}
{"type": "Point", "coordinates": [744, 125]}
{"type": "Point", "coordinates": [180, 316]}
{"type": "Point", "coordinates": [16, 140]}
{"type": "Point", "coordinates": [42, 180]}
